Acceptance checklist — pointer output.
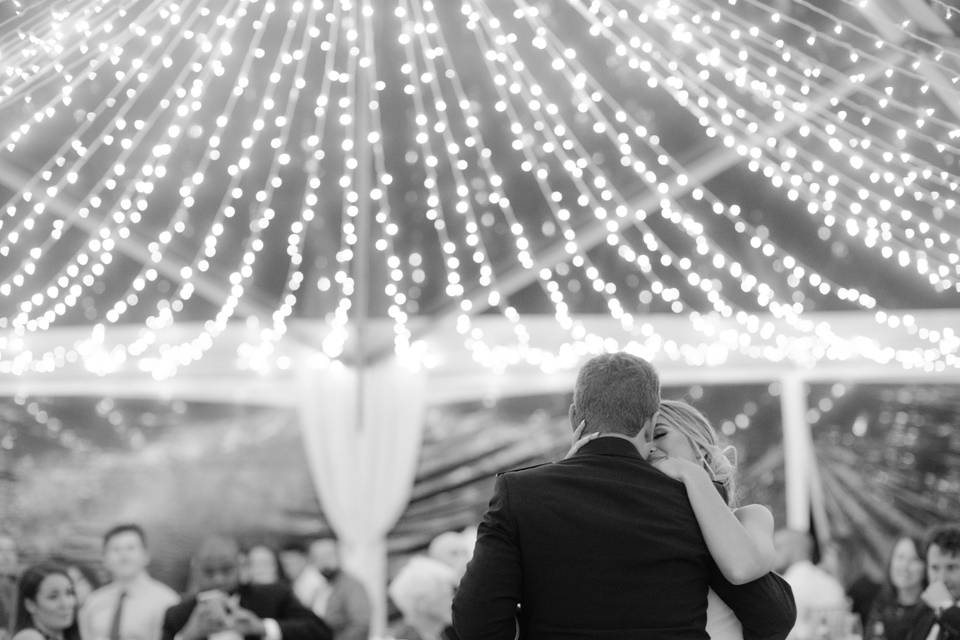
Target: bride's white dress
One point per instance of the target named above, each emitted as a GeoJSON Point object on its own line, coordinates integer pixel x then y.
{"type": "Point", "coordinates": [722, 622]}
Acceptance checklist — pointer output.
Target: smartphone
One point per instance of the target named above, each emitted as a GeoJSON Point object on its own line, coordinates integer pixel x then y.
{"type": "Point", "coordinates": [212, 594]}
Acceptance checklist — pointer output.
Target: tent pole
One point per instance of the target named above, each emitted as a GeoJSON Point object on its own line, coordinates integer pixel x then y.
{"type": "Point", "coordinates": [797, 450]}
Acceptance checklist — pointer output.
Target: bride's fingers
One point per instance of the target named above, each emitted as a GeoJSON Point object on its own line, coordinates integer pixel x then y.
{"type": "Point", "coordinates": [579, 442]}
{"type": "Point", "coordinates": [578, 432]}
{"type": "Point", "coordinates": [586, 439]}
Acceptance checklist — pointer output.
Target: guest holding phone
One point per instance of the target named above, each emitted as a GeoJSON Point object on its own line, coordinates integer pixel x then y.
{"type": "Point", "coordinates": [225, 606]}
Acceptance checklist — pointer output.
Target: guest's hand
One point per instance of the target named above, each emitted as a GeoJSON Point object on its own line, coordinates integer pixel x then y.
{"type": "Point", "coordinates": [937, 596]}
{"type": "Point", "coordinates": [247, 623]}
{"type": "Point", "coordinates": [209, 616]}
{"type": "Point", "coordinates": [579, 439]}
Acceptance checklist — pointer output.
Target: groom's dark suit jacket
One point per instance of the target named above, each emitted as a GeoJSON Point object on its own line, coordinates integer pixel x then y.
{"type": "Point", "coordinates": [601, 546]}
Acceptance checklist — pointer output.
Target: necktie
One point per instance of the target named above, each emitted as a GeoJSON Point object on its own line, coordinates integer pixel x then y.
{"type": "Point", "coordinates": [117, 614]}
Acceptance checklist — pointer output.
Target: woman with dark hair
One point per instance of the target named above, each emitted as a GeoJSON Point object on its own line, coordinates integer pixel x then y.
{"type": "Point", "coordinates": [46, 604]}
{"type": "Point", "coordinates": [262, 565]}
{"type": "Point", "coordinates": [85, 579]}
{"type": "Point", "coordinates": [898, 606]}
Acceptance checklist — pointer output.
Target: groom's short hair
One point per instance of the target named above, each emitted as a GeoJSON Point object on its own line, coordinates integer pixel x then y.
{"type": "Point", "coordinates": [616, 392]}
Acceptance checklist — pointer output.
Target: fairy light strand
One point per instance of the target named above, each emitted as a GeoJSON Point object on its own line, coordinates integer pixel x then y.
{"type": "Point", "coordinates": [866, 163]}
{"type": "Point", "coordinates": [115, 222]}
{"type": "Point", "coordinates": [69, 173]}
{"type": "Point", "coordinates": [654, 54]}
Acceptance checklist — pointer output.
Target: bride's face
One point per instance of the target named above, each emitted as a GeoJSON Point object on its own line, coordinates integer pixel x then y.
{"type": "Point", "coordinates": [672, 442]}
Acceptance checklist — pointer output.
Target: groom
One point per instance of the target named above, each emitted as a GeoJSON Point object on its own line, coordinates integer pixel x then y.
{"type": "Point", "coordinates": [602, 546]}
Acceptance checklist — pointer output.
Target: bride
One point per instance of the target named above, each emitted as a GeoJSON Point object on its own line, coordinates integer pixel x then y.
{"type": "Point", "coordinates": [682, 444]}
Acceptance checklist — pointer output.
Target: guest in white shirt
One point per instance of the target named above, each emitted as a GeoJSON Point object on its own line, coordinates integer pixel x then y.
{"type": "Point", "coordinates": [262, 565]}
{"type": "Point", "coordinates": [305, 579]}
{"type": "Point", "coordinates": [132, 605]}
{"type": "Point", "coordinates": [454, 549]}
{"type": "Point", "coordinates": [819, 596]}
{"type": "Point", "coordinates": [344, 604]}
{"type": "Point", "coordinates": [226, 609]}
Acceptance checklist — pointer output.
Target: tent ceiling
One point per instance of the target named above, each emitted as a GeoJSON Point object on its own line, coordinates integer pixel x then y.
{"type": "Point", "coordinates": [169, 170]}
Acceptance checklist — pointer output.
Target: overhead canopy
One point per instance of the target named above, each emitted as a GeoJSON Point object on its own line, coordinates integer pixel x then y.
{"type": "Point", "coordinates": [313, 170]}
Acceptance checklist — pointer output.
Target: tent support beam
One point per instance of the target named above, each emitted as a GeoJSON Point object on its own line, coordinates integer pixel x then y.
{"type": "Point", "coordinates": [797, 450]}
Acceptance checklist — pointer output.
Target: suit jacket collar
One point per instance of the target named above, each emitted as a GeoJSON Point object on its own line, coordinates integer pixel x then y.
{"type": "Point", "coordinates": [609, 446]}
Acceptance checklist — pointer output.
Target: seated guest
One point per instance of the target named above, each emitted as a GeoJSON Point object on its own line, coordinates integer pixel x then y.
{"type": "Point", "coordinates": [133, 603]}
{"type": "Point", "coordinates": [225, 608]}
{"type": "Point", "coordinates": [344, 603]}
{"type": "Point", "coordinates": [817, 593]}
{"type": "Point", "coordinates": [423, 592]}
{"type": "Point", "coordinates": [46, 607]}
{"type": "Point", "coordinates": [262, 565]}
{"type": "Point", "coordinates": [85, 579]}
{"type": "Point", "coordinates": [454, 549]}
{"type": "Point", "coordinates": [941, 618]}
{"type": "Point", "coordinates": [843, 557]}
{"type": "Point", "coordinates": [9, 568]}
{"type": "Point", "coordinates": [897, 608]}
{"type": "Point", "coordinates": [305, 579]}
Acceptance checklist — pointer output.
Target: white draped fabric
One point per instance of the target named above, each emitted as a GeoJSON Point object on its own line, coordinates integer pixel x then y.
{"type": "Point", "coordinates": [363, 472]}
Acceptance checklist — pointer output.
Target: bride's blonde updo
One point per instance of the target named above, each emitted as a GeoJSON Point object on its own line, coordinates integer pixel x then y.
{"type": "Point", "coordinates": [719, 461]}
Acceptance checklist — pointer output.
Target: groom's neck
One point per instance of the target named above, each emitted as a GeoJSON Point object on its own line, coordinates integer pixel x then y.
{"type": "Point", "coordinates": [634, 440]}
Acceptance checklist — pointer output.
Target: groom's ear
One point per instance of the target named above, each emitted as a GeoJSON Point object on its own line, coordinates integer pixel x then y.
{"type": "Point", "coordinates": [648, 424]}
{"type": "Point", "coordinates": [574, 416]}
{"type": "Point", "coordinates": [642, 439]}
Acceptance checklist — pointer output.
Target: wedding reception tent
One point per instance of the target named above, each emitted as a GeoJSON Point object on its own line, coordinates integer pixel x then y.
{"type": "Point", "coordinates": [378, 221]}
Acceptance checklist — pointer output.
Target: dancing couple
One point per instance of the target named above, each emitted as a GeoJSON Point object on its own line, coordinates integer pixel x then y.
{"type": "Point", "coordinates": [630, 537]}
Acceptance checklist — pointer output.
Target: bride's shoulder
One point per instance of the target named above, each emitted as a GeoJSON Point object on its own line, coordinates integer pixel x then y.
{"type": "Point", "coordinates": [28, 634]}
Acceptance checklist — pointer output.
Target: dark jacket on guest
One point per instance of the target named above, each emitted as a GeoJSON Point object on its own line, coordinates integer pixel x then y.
{"type": "Point", "coordinates": [348, 608]}
{"type": "Point", "coordinates": [273, 601]}
{"type": "Point", "coordinates": [948, 619]}
{"type": "Point", "coordinates": [601, 546]}
{"type": "Point", "coordinates": [896, 620]}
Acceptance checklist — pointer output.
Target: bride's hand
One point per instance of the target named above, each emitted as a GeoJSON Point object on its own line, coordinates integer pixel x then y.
{"type": "Point", "coordinates": [579, 439]}
{"type": "Point", "coordinates": [676, 468]}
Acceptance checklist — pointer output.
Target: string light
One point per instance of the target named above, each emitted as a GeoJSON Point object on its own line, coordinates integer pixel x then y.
{"type": "Point", "coordinates": [37, 52]}
{"type": "Point", "coordinates": [903, 27]}
{"type": "Point", "coordinates": [841, 289]}
{"type": "Point", "coordinates": [492, 181]}
{"type": "Point", "coordinates": [74, 277]}
{"type": "Point", "coordinates": [571, 143]}
{"type": "Point", "coordinates": [893, 320]}
{"type": "Point", "coordinates": [783, 53]}
{"type": "Point", "coordinates": [260, 356]}
{"type": "Point", "coordinates": [680, 308]}
{"type": "Point", "coordinates": [857, 153]}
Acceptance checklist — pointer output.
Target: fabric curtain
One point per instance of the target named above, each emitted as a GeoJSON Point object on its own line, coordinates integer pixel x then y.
{"type": "Point", "coordinates": [363, 469]}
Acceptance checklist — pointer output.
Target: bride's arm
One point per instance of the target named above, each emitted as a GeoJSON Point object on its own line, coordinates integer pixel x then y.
{"type": "Point", "coordinates": [740, 542]}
